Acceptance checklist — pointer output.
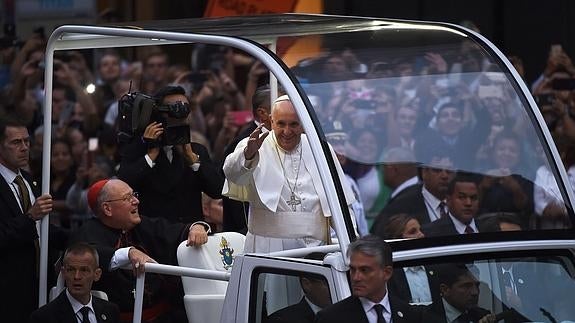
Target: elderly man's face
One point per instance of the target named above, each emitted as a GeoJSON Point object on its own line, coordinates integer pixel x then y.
{"type": "Point", "coordinates": [121, 205]}
{"type": "Point", "coordinates": [286, 125]}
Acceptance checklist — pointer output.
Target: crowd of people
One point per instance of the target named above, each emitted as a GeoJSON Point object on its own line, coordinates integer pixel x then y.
{"type": "Point", "coordinates": [422, 153]}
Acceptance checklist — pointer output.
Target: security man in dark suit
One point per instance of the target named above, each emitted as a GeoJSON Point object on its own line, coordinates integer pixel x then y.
{"type": "Point", "coordinates": [370, 268]}
{"type": "Point", "coordinates": [76, 303]}
{"type": "Point", "coordinates": [463, 203]}
{"type": "Point", "coordinates": [21, 206]}
{"type": "Point", "coordinates": [460, 295]}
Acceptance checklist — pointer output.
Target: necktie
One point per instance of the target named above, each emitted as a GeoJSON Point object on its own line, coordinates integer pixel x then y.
{"type": "Point", "coordinates": [507, 281]}
{"type": "Point", "coordinates": [379, 311]}
{"type": "Point", "coordinates": [442, 210]}
{"type": "Point", "coordinates": [469, 229]}
{"type": "Point", "coordinates": [85, 311]}
{"type": "Point", "coordinates": [26, 204]}
{"type": "Point", "coordinates": [24, 194]}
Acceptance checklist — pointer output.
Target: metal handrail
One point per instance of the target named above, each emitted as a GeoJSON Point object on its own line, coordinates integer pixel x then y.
{"type": "Point", "coordinates": [173, 271]}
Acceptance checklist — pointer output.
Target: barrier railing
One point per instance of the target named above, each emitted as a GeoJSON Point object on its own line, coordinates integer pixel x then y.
{"type": "Point", "coordinates": [173, 271]}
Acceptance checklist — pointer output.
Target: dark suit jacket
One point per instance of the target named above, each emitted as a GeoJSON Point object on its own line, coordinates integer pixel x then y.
{"type": "Point", "coordinates": [296, 313]}
{"type": "Point", "coordinates": [436, 313]}
{"type": "Point", "coordinates": [158, 238]}
{"type": "Point", "coordinates": [170, 190]}
{"type": "Point", "coordinates": [399, 287]}
{"type": "Point", "coordinates": [18, 278]}
{"type": "Point", "coordinates": [60, 311]}
{"type": "Point", "coordinates": [409, 201]}
{"type": "Point", "coordinates": [445, 227]}
{"type": "Point", "coordinates": [350, 310]}
{"type": "Point", "coordinates": [235, 212]}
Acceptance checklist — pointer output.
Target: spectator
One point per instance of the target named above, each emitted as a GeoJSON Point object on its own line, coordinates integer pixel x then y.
{"type": "Point", "coordinates": [170, 177]}
{"type": "Point", "coordinates": [77, 195]}
{"type": "Point", "coordinates": [254, 172]}
{"type": "Point", "coordinates": [123, 237]}
{"type": "Point", "coordinates": [80, 270]}
{"type": "Point", "coordinates": [503, 187]}
{"type": "Point", "coordinates": [62, 177]}
{"type": "Point", "coordinates": [425, 201]}
{"type": "Point", "coordinates": [400, 175]}
{"type": "Point", "coordinates": [155, 71]}
{"type": "Point", "coordinates": [364, 156]}
{"type": "Point", "coordinates": [339, 143]}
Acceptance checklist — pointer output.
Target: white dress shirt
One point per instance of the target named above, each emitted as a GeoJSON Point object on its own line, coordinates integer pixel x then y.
{"type": "Point", "coordinates": [77, 306]}
{"type": "Point", "coordinates": [370, 311]}
{"type": "Point", "coordinates": [9, 176]}
{"type": "Point", "coordinates": [460, 226]}
{"type": "Point", "coordinates": [432, 204]}
{"type": "Point", "coordinates": [418, 284]}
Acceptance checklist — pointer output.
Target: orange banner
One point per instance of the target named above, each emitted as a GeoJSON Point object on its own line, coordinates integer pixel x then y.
{"type": "Point", "coordinates": [223, 8]}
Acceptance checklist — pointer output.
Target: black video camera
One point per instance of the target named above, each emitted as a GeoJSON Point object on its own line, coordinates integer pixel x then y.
{"type": "Point", "coordinates": [137, 110]}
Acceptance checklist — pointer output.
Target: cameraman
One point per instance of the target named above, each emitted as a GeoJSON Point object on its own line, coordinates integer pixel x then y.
{"type": "Point", "coordinates": [170, 178]}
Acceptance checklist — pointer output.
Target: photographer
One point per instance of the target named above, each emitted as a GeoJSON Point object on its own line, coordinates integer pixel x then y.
{"type": "Point", "coordinates": [164, 167]}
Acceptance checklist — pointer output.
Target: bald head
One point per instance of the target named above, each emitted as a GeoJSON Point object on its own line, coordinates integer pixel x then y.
{"type": "Point", "coordinates": [118, 205]}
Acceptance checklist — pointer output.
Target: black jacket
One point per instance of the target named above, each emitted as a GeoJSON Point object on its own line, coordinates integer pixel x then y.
{"type": "Point", "coordinates": [170, 190]}
{"type": "Point", "coordinates": [60, 311]}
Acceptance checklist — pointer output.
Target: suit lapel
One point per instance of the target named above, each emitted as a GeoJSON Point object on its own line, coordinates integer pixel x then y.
{"type": "Point", "coordinates": [101, 314]}
{"type": "Point", "coordinates": [7, 195]}
{"type": "Point", "coordinates": [358, 312]}
{"type": "Point", "coordinates": [66, 312]}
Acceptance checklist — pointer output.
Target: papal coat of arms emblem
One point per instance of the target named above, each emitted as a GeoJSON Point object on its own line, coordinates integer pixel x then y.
{"type": "Point", "coordinates": [227, 254]}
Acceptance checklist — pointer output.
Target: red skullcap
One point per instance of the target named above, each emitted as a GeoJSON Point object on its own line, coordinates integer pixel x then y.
{"type": "Point", "coordinates": [94, 191]}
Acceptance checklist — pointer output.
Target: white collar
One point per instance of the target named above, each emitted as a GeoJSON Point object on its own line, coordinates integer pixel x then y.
{"type": "Point", "coordinates": [460, 226]}
{"type": "Point", "coordinates": [8, 174]}
{"type": "Point", "coordinates": [313, 307]}
{"type": "Point", "coordinates": [412, 181]}
{"type": "Point", "coordinates": [451, 313]}
{"type": "Point", "coordinates": [76, 306]}
{"type": "Point", "coordinates": [368, 305]}
{"type": "Point", "coordinates": [430, 198]}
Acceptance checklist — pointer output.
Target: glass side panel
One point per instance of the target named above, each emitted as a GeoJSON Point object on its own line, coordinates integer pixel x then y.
{"type": "Point", "coordinates": [518, 289]}
{"type": "Point", "coordinates": [288, 297]}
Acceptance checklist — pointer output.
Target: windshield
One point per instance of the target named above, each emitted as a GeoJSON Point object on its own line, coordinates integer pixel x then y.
{"type": "Point", "coordinates": [409, 110]}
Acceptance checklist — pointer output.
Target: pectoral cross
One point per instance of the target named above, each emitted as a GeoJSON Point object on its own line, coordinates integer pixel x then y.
{"type": "Point", "coordinates": [293, 201]}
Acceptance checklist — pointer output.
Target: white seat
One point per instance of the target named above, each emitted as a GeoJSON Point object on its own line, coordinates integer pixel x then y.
{"type": "Point", "coordinates": [204, 298]}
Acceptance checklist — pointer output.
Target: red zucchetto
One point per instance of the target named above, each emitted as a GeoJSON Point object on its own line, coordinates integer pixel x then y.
{"type": "Point", "coordinates": [94, 191]}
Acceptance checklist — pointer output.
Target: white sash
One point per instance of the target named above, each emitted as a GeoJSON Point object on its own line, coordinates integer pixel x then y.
{"type": "Point", "coordinates": [287, 225]}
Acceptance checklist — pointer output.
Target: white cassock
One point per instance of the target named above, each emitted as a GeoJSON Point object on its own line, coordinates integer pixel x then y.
{"type": "Point", "coordinates": [267, 182]}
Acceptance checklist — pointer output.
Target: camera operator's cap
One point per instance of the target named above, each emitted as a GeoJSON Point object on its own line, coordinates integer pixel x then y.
{"type": "Point", "coordinates": [94, 192]}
